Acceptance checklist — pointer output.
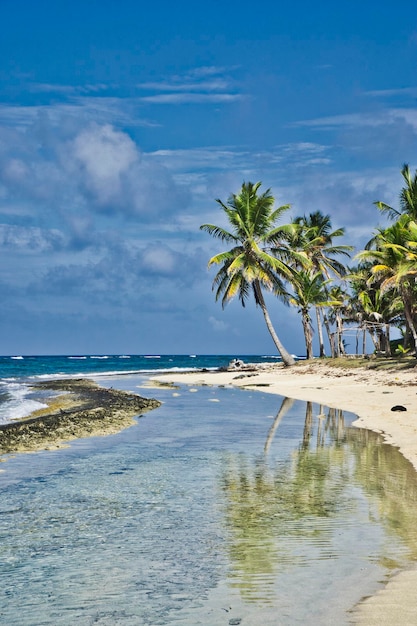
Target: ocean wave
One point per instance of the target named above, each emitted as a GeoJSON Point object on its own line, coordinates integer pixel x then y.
{"type": "Point", "coordinates": [17, 358]}
{"type": "Point", "coordinates": [17, 402]}
{"type": "Point", "coordinates": [117, 373]}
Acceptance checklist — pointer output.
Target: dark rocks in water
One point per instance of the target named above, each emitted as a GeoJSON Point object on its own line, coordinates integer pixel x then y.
{"type": "Point", "coordinates": [398, 407]}
{"type": "Point", "coordinates": [84, 410]}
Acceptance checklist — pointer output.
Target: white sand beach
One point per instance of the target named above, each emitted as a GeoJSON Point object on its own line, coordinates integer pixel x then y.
{"type": "Point", "coordinates": [368, 393]}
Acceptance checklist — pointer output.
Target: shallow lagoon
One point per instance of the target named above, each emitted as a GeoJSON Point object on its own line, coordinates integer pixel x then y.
{"type": "Point", "coordinates": [222, 505]}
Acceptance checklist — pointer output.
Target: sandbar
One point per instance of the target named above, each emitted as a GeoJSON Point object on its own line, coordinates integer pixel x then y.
{"type": "Point", "coordinates": [80, 408]}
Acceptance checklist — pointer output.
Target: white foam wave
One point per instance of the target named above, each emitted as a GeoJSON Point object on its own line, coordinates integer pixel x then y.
{"type": "Point", "coordinates": [17, 404]}
{"type": "Point", "coordinates": [17, 358]}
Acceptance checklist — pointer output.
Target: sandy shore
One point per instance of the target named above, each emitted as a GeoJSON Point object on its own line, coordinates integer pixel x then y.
{"type": "Point", "coordinates": [370, 393]}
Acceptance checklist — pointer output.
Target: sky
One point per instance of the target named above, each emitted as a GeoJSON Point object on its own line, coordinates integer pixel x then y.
{"type": "Point", "coordinates": [122, 122]}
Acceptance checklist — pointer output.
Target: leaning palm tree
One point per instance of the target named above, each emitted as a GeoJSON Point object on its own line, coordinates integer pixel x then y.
{"type": "Point", "coordinates": [254, 261]}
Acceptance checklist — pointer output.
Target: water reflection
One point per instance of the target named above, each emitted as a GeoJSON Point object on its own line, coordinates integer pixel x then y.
{"type": "Point", "coordinates": [281, 514]}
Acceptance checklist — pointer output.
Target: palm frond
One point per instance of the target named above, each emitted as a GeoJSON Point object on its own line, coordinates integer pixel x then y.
{"type": "Point", "coordinates": [387, 209]}
{"type": "Point", "coordinates": [218, 232]}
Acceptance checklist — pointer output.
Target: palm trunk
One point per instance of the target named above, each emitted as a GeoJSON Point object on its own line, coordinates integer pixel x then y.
{"type": "Point", "coordinates": [287, 359]}
{"type": "Point", "coordinates": [286, 405]}
{"type": "Point", "coordinates": [409, 316]}
{"type": "Point", "coordinates": [307, 334]}
{"type": "Point", "coordinates": [320, 332]}
{"type": "Point", "coordinates": [330, 335]}
{"type": "Point", "coordinates": [387, 347]}
{"type": "Point", "coordinates": [340, 349]}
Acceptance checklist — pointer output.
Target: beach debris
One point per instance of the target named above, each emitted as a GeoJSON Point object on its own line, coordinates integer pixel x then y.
{"type": "Point", "coordinates": [398, 407]}
{"type": "Point", "coordinates": [236, 364]}
{"type": "Point", "coordinates": [244, 376]}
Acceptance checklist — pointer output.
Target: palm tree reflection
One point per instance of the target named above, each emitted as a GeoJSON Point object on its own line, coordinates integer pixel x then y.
{"type": "Point", "coordinates": [275, 511]}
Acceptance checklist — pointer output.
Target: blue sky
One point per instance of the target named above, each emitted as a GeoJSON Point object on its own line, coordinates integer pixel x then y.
{"type": "Point", "coordinates": [121, 122]}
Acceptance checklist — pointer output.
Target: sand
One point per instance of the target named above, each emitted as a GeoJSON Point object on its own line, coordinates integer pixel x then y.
{"type": "Point", "coordinates": [370, 393]}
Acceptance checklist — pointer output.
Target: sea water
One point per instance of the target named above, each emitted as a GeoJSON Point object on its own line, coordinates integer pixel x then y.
{"type": "Point", "coordinates": [220, 507]}
{"type": "Point", "coordinates": [18, 399]}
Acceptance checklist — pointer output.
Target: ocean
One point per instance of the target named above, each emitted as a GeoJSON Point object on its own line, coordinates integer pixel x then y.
{"type": "Point", "coordinates": [222, 507]}
{"type": "Point", "coordinates": [17, 400]}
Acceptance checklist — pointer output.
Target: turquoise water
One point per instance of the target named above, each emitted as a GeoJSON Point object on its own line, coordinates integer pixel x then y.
{"type": "Point", "coordinates": [18, 400]}
{"type": "Point", "coordinates": [222, 505]}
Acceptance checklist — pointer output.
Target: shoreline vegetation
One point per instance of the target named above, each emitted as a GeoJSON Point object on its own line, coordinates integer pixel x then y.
{"type": "Point", "coordinates": [80, 408]}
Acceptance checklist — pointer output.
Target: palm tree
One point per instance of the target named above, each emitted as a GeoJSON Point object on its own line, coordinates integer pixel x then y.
{"type": "Point", "coordinates": [309, 290]}
{"type": "Point", "coordinates": [313, 235]}
{"type": "Point", "coordinates": [376, 309]}
{"type": "Point", "coordinates": [408, 197]}
{"type": "Point", "coordinates": [338, 309]}
{"type": "Point", "coordinates": [395, 265]}
{"type": "Point", "coordinates": [254, 261]}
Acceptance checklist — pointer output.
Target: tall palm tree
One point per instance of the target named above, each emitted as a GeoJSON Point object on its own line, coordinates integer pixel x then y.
{"type": "Point", "coordinates": [254, 261]}
{"type": "Point", "coordinates": [408, 197]}
{"type": "Point", "coordinates": [313, 235]}
{"type": "Point", "coordinates": [309, 289]}
{"type": "Point", "coordinates": [337, 310]}
{"type": "Point", "coordinates": [395, 265]}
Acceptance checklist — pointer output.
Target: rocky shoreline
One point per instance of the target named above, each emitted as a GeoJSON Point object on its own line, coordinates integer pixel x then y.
{"type": "Point", "coordinates": [84, 409]}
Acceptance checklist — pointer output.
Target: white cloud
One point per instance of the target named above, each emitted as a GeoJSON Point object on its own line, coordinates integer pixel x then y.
{"type": "Point", "coordinates": [105, 157]}
{"type": "Point", "coordinates": [31, 240]}
{"type": "Point", "coordinates": [159, 259]}
{"type": "Point", "coordinates": [374, 119]}
{"type": "Point", "coordinates": [192, 98]}
{"type": "Point", "coordinates": [218, 325]}
{"type": "Point", "coordinates": [207, 85]}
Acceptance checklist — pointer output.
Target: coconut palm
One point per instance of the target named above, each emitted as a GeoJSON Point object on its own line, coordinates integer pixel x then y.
{"type": "Point", "coordinates": [395, 265]}
{"type": "Point", "coordinates": [309, 289]}
{"type": "Point", "coordinates": [313, 235]}
{"type": "Point", "coordinates": [408, 197]}
{"type": "Point", "coordinates": [376, 309]}
{"type": "Point", "coordinates": [338, 310]}
{"type": "Point", "coordinates": [254, 261]}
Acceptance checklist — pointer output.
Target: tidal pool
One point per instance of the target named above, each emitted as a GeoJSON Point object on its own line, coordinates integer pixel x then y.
{"type": "Point", "coordinates": [221, 507]}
